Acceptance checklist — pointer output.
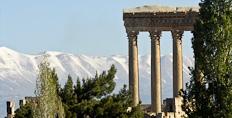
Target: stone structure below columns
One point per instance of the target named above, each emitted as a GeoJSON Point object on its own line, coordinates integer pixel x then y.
{"type": "Point", "coordinates": [155, 19]}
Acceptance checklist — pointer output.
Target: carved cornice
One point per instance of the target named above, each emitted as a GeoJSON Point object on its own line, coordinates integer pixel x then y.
{"type": "Point", "coordinates": [160, 20]}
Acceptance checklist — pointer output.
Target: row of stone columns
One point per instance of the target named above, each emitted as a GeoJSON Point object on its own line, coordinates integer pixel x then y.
{"type": "Point", "coordinates": [156, 83]}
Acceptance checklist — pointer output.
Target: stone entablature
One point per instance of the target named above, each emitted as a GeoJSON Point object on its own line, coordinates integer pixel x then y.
{"type": "Point", "coordinates": [163, 18]}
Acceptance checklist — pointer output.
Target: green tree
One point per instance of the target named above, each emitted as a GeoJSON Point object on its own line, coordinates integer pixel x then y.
{"type": "Point", "coordinates": [208, 94]}
{"type": "Point", "coordinates": [118, 106]}
{"type": "Point", "coordinates": [92, 90]}
{"type": "Point", "coordinates": [55, 80]}
{"type": "Point", "coordinates": [25, 111]}
{"type": "Point", "coordinates": [93, 98]}
{"type": "Point", "coordinates": [69, 99]}
{"type": "Point", "coordinates": [49, 103]}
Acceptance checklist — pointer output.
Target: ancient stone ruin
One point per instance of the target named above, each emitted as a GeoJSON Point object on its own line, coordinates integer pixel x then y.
{"type": "Point", "coordinates": [155, 19]}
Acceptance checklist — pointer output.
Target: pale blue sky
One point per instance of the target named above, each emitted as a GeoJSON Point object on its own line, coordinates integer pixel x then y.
{"type": "Point", "coordinates": [90, 27]}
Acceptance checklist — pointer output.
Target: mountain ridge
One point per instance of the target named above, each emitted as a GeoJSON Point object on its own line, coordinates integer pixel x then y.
{"type": "Point", "coordinates": [18, 72]}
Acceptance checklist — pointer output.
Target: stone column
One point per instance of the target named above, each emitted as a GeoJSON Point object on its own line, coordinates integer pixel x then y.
{"type": "Point", "coordinates": [155, 72]}
{"type": "Point", "coordinates": [177, 62]}
{"type": "Point", "coordinates": [133, 66]}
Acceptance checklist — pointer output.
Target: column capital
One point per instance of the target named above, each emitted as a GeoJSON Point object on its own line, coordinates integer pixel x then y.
{"type": "Point", "coordinates": [155, 34]}
{"type": "Point", "coordinates": [131, 34]}
{"type": "Point", "coordinates": [177, 34]}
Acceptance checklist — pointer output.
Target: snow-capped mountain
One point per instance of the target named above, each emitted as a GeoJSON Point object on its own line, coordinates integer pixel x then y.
{"type": "Point", "coordinates": [18, 72]}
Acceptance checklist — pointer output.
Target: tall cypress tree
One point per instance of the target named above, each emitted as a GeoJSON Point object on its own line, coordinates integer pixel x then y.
{"type": "Point", "coordinates": [209, 92]}
{"type": "Point", "coordinates": [49, 103]}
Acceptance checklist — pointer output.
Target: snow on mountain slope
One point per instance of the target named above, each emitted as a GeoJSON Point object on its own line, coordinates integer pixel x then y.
{"type": "Point", "coordinates": [18, 72]}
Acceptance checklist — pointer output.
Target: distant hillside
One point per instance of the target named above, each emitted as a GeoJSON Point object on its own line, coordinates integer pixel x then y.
{"type": "Point", "coordinates": [18, 72]}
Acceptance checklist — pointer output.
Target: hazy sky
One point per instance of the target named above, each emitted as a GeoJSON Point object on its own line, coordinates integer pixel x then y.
{"type": "Point", "coordinates": [90, 27]}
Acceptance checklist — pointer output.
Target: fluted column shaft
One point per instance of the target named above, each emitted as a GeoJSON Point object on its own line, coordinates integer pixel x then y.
{"type": "Point", "coordinates": [177, 62]}
{"type": "Point", "coordinates": [156, 84]}
{"type": "Point", "coordinates": [133, 66]}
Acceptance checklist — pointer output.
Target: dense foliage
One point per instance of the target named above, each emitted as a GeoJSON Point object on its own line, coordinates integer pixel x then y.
{"type": "Point", "coordinates": [93, 98]}
{"type": "Point", "coordinates": [25, 111]}
{"type": "Point", "coordinates": [90, 97]}
{"type": "Point", "coordinates": [208, 94]}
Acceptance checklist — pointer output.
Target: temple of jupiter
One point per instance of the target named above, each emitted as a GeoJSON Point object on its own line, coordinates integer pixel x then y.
{"type": "Point", "coordinates": [155, 19]}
